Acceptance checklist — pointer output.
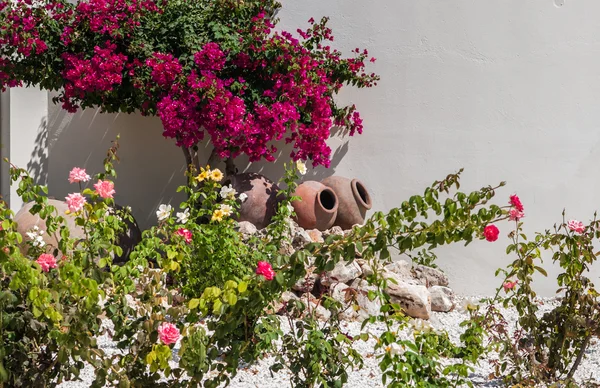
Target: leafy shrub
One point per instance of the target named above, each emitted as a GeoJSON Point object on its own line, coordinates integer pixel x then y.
{"type": "Point", "coordinates": [545, 347]}
{"type": "Point", "coordinates": [52, 319]}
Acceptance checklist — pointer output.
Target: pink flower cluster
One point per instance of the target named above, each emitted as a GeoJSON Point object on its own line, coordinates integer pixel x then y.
{"type": "Point", "coordinates": [516, 211]}
{"type": "Point", "coordinates": [116, 18]}
{"type": "Point", "coordinates": [96, 75]}
{"type": "Point", "coordinates": [270, 87]}
{"type": "Point", "coordinates": [165, 69]}
{"type": "Point", "coordinates": [46, 261]}
{"type": "Point", "coordinates": [105, 189]}
{"type": "Point", "coordinates": [491, 233]}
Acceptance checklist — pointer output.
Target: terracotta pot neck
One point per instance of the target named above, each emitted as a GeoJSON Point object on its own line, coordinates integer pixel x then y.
{"type": "Point", "coordinates": [361, 195]}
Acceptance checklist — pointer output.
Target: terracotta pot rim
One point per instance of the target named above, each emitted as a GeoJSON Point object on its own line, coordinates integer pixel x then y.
{"type": "Point", "coordinates": [355, 190]}
{"type": "Point", "coordinates": [335, 198]}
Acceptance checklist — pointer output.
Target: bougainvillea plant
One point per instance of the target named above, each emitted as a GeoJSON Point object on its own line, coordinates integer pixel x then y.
{"type": "Point", "coordinates": [216, 68]}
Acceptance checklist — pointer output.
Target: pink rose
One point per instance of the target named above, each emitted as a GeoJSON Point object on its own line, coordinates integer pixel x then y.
{"type": "Point", "coordinates": [46, 261]}
{"type": "Point", "coordinates": [576, 226]}
{"type": "Point", "coordinates": [265, 270]}
{"type": "Point", "coordinates": [516, 202]}
{"type": "Point", "coordinates": [186, 234]}
{"type": "Point", "coordinates": [78, 175]}
{"type": "Point", "coordinates": [75, 202]}
{"type": "Point", "coordinates": [508, 285]}
{"type": "Point", "coordinates": [491, 233]}
{"type": "Point", "coordinates": [168, 333]}
{"type": "Point", "coordinates": [516, 214]}
{"type": "Point", "coordinates": [106, 189]}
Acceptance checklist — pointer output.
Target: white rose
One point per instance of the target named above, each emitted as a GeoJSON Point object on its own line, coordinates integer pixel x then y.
{"type": "Point", "coordinates": [163, 212]}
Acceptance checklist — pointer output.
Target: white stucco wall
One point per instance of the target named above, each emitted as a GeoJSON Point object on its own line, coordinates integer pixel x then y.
{"type": "Point", "coordinates": [507, 89]}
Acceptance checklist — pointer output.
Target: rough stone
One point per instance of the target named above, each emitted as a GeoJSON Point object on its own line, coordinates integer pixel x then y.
{"type": "Point", "coordinates": [316, 235]}
{"type": "Point", "coordinates": [403, 269]}
{"type": "Point", "coordinates": [301, 238]}
{"type": "Point", "coordinates": [442, 299]}
{"type": "Point", "coordinates": [336, 231]}
{"type": "Point", "coordinates": [414, 299]}
{"type": "Point", "coordinates": [431, 276]}
{"type": "Point", "coordinates": [399, 278]}
{"type": "Point", "coordinates": [247, 228]}
{"type": "Point", "coordinates": [342, 273]}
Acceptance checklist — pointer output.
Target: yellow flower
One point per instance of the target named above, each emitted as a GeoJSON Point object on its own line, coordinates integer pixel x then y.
{"type": "Point", "coordinates": [202, 176]}
{"type": "Point", "coordinates": [216, 175]}
{"type": "Point", "coordinates": [217, 215]}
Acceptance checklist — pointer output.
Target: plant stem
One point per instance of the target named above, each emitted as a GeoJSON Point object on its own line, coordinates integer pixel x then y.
{"type": "Point", "coordinates": [229, 167]}
{"type": "Point", "coordinates": [579, 357]}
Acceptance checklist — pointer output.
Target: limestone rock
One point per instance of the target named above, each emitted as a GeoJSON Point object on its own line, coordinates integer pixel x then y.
{"type": "Point", "coordinates": [301, 238]}
{"type": "Point", "coordinates": [336, 231]}
{"type": "Point", "coordinates": [342, 273]}
{"type": "Point", "coordinates": [431, 276]}
{"type": "Point", "coordinates": [316, 235]}
{"type": "Point", "coordinates": [442, 298]}
{"type": "Point", "coordinates": [247, 228]}
{"type": "Point", "coordinates": [403, 269]}
{"type": "Point", "coordinates": [414, 299]}
{"type": "Point", "coordinates": [399, 278]}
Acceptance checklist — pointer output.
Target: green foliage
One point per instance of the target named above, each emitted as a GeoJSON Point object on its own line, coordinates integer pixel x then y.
{"type": "Point", "coordinates": [546, 347]}
{"type": "Point", "coordinates": [205, 284]}
{"type": "Point", "coordinates": [49, 320]}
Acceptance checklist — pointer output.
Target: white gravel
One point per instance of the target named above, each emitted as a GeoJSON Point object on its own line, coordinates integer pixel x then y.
{"type": "Point", "coordinates": [258, 374]}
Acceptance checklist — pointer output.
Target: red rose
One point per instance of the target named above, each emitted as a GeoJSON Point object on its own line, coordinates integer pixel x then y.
{"type": "Point", "coordinates": [491, 233]}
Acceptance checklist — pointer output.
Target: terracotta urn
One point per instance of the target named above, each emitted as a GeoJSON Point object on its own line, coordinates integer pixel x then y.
{"type": "Point", "coordinates": [354, 200]}
{"type": "Point", "coordinates": [318, 207]}
{"type": "Point", "coordinates": [261, 203]}
{"type": "Point", "coordinates": [26, 221]}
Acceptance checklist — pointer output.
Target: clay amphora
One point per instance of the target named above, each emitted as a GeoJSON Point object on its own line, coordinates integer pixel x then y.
{"type": "Point", "coordinates": [354, 200]}
{"type": "Point", "coordinates": [261, 204]}
{"type": "Point", "coordinates": [318, 207]}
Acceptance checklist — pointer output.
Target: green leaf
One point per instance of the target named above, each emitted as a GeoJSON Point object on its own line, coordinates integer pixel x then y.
{"type": "Point", "coordinates": [541, 270]}
{"type": "Point", "coordinates": [242, 287]}
{"type": "Point", "coordinates": [193, 303]}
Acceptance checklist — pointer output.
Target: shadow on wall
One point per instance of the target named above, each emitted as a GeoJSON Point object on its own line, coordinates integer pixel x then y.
{"type": "Point", "coordinates": [150, 167]}
{"type": "Point", "coordinates": [38, 161]}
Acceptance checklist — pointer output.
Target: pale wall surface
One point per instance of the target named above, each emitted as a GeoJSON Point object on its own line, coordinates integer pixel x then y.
{"type": "Point", "coordinates": [507, 89]}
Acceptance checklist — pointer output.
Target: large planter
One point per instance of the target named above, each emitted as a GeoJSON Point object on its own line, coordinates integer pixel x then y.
{"type": "Point", "coordinates": [26, 221]}
{"type": "Point", "coordinates": [262, 201]}
{"type": "Point", "coordinates": [318, 207]}
{"type": "Point", "coordinates": [354, 200]}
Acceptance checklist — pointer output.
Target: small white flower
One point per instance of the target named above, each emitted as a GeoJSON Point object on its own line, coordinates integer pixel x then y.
{"type": "Point", "coordinates": [226, 209]}
{"type": "Point", "coordinates": [420, 325]}
{"type": "Point", "coordinates": [301, 167]}
{"type": "Point", "coordinates": [163, 212]}
{"type": "Point", "coordinates": [290, 207]}
{"type": "Point", "coordinates": [36, 235]}
{"type": "Point", "coordinates": [39, 242]}
{"type": "Point", "coordinates": [227, 192]}
{"type": "Point", "coordinates": [468, 305]}
{"type": "Point", "coordinates": [183, 217]}
{"type": "Point", "coordinates": [243, 197]}
{"type": "Point", "coordinates": [395, 349]}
